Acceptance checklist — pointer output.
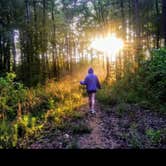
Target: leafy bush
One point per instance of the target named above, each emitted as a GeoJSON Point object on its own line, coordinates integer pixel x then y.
{"type": "Point", "coordinates": [147, 86]}
{"type": "Point", "coordinates": [156, 74]}
{"type": "Point", "coordinates": [154, 136]}
{"type": "Point", "coordinates": [11, 93]}
{"type": "Point", "coordinates": [104, 94]}
{"type": "Point", "coordinates": [42, 107]}
{"type": "Point", "coordinates": [5, 134]}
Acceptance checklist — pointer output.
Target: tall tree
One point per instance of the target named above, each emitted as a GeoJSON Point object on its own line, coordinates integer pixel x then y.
{"type": "Point", "coordinates": [158, 24]}
{"type": "Point", "coordinates": [164, 18]}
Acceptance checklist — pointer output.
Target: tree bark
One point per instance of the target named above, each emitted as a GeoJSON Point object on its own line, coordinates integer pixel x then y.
{"type": "Point", "coordinates": [13, 51]}
{"type": "Point", "coordinates": [158, 24]}
{"type": "Point", "coordinates": [123, 20]}
{"type": "Point", "coordinates": [137, 32]}
{"type": "Point", "coordinates": [164, 20]}
{"type": "Point", "coordinates": [54, 44]}
{"type": "Point", "coordinates": [1, 53]}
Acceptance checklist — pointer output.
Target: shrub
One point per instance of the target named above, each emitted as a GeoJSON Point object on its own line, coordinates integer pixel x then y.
{"type": "Point", "coordinates": [11, 93]}
{"type": "Point", "coordinates": [146, 86]}
{"type": "Point", "coordinates": [41, 107]}
{"type": "Point", "coordinates": [154, 136]}
{"type": "Point", "coordinates": [5, 134]}
{"type": "Point", "coordinates": [104, 94]}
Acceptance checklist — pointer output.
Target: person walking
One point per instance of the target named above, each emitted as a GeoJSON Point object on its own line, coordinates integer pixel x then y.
{"type": "Point", "coordinates": [92, 85]}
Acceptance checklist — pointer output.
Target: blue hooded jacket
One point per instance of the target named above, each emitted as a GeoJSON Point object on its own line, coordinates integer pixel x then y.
{"type": "Point", "coordinates": [91, 81]}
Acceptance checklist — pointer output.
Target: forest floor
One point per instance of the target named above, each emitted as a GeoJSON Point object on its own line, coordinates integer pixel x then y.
{"type": "Point", "coordinates": [110, 128]}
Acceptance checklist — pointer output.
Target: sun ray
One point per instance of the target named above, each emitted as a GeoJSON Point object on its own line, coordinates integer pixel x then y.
{"type": "Point", "coordinates": [109, 45]}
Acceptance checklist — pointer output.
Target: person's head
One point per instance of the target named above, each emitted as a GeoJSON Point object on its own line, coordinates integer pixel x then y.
{"type": "Point", "coordinates": [90, 70]}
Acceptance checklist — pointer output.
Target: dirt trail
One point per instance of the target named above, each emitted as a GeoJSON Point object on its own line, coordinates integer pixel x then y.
{"type": "Point", "coordinates": [97, 138]}
{"type": "Point", "coordinates": [110, 129]}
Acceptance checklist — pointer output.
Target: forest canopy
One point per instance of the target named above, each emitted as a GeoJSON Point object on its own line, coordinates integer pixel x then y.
{"type": "Point", "coordinates": [42, 39]}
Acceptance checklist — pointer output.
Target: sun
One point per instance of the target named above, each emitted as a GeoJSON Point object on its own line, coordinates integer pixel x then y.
{"type": "Point", "coordinates": [110, 44]}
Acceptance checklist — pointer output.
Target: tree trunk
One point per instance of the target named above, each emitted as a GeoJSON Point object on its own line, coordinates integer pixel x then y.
{"type": "Point", "coordinates": [44, 44]}
{"type": "Point", "coordinates": [1, 53]}
{"type": "Point", "coordinates": [108, 68]}
{"type": "Point", "coordinates": [137, 30]}
{"type": "Point", "coordinates": [164, 20]}
{"type": "Point", "coordinates": [123, 20]}
{"type": "Point", "coordinates": [27, 45]}
{"type": "Point", "coordinates": [13, 51]}
{"type": "Point", "coordinates": [158, 24]}
{"type": "Point", "coordinates": [36, 47]}
{"type": "Point", "coordinates": [7, 56]}
{"type": "Point", "coordinates": [54, 44]}
{"type": "Point", "coordinates": [27, 6]}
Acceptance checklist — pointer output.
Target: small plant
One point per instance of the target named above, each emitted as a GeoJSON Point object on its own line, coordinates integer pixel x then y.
{"type": "Point", "coordinates": [104, 95]}
{"type": "Point", "coordinates": [5, 134]}
{"type": "Point", "coordinates": [51, 103]}
{"type": "Point", "coordinates": [135, 142]}
{"type": "Point", "coordinates": [11, 94]}
{"type": "Point", "coordinates": [145, 104]}
{"type": "Point", "coordinates": [154, 136]}
{"type": "Point", "coordinates": [134, 138]}
{"type": "Point", "coordinates": [77, 115]}
{"type": "Point", "coordinates": [121, 109]}
{"type": "Point", "coordinates": [81, 129]}
{"type": "Point", "coordinates": [76, 97]}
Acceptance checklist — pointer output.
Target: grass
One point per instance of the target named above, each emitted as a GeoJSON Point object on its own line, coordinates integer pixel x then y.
{"type": "Point", "coordinates": [81, 129]}
{"type": "Point", "coordinates": [78, 115]}
{"type": "Point", "coordinates": [121, 109]}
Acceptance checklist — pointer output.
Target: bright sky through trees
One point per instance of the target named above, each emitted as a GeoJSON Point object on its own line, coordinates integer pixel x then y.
{"type": "Point", "coordinates": [110, 45]}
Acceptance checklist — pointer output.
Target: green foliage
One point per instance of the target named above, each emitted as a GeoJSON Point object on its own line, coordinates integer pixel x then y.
{"type": "Point", "coordinates": [11, 93]}
{"type": "Point", "coordinates": [80, 129]}
{"type": "Point", "coordinates": [51, 103]}
{"type": "Point", "coordinates": [145, 104]}
{"type": "Point", "coordinates": [134, 137]}
{"type": "Point", "coordinates": [155, 72]}
{"type": "Point", "coordinates": [5, 134]}
{"type": "Point", "coordinates": [28, 126]}
{"type": "Point", "coordinates": [77, 115]}
{"type": "Point", "coordinates": [105, 96]}
{"type": "Point", "coordinates": [39, 106]}
{"type": "Point", "coordinates": [12, 134]}
{"type": "Point", "coordinates": [121, 108]}
{"type": "Point", "coordinates": [135, 141]}
{"type": "Point", "coordinates": [147, 86]}
{"type": "Point", "coordinates": [154, 135]}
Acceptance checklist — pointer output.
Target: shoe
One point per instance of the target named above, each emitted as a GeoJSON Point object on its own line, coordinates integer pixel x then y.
{"type": "Point", "coordinates": [93, 111]}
